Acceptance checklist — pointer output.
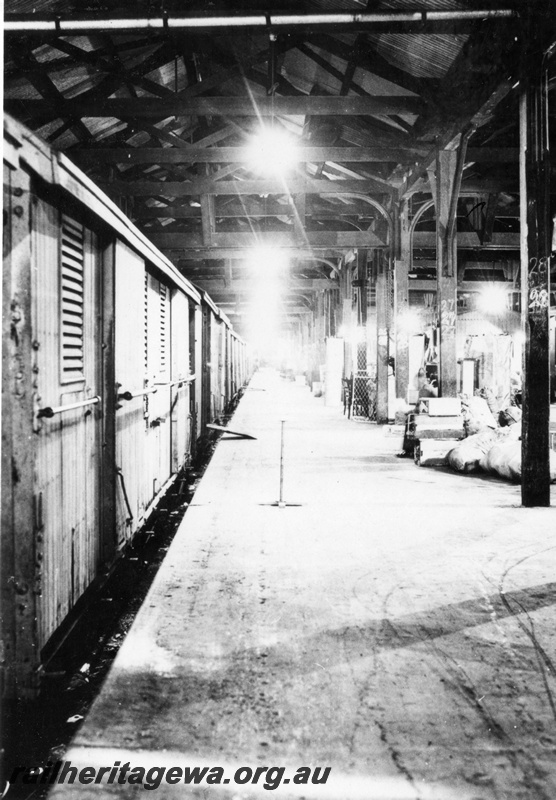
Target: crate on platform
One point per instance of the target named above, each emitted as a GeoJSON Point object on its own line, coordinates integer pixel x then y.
{"type": "Point", "coordinates": [444, 406]}
{"type": "Point", "coordinates": [395, 434]}
{"type": "Point", "coordinates": [423, 426]}
{"type": "Point", "coordinates": [433, 452]}
{"type": "Point", "coordinates": [394, 430]}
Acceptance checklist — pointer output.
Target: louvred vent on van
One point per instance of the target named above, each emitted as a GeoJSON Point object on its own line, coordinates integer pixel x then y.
{"type": "Point", "coordinates": [163, 327]}
{"type": "Point", "coordinates": [72, 263]}
{"type": "Point", "coordinates": [145, 324]}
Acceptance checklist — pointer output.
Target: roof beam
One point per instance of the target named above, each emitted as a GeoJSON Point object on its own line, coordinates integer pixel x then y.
{"type": "Point", "coordinates": [474, 119]}
{"type": "Point", "coordinates": [476, 100]}
{"type": "Point", "coordinates": [209, 186]}
{"type": "Point", "coordinates": [283, 86]}
{"type": "Point", "coordinates": [365, 21]}
{"type": "Point", "coordinates": [469, 240]}
{"type": "Point", "coordinates": [300, 210]}
{"type": "Point", "coordinates": [246, 241]}
{"type": "Point", "coordinates": [160, 108]}
{"type": "Point", "coordinates": [216, 286]}
{"type": "Point", "coordinates": [327, 67]}
{"type": "Point", "coordinates": [226, 71]}
{"type": "Point", "coordinates": [220, 155]}
{"type": "Point", "coordinates": [103, 63]}
{"type": "Point", "coordinates": [98, 94]}
{"type": "Point", "coordinates": [181, 253]}
{"type": "Point", "coordinates": [207, 218]}
{"type": "Point", "coordinates": [492, 155]}
{"type": "Point", "coordinates": [38, 77]}
{"type": "Point", "coordinates": [251, 208]}
{"type": "Point", "coordinates": [369, 59]}
{"type": "Point", "coordinates": [280, 312]}
{"type": "Point", "coordinates": [297, 185]}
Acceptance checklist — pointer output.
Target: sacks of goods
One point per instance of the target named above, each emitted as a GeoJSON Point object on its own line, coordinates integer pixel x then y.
{"type": "Point", "coordinates": [493, 450]}
{"type": "Point", "coordinates": [478, 416]}
{"type": "Point", "coordinates": [466, 456]}
{"type": "Point", "coordinates": [504, 459]}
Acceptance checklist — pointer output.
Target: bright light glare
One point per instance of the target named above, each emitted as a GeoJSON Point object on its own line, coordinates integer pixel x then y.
{"type": "Point", "coordinates": [356, 335]}
{"type": "Point", "coordinates": [269, 268]}
{"type": "Point", "coordinates": [359, 335]}
{"type": "Point", "coordinates": [493, 300]}
{"type": "Point", "coordinates": [271, 152]}
{"type": "Point", "coordinates": [268, 262]}
{"type": "Point", "coordinates": [263, 321]}
{"type": "Point", "coordinates": [409, 322]}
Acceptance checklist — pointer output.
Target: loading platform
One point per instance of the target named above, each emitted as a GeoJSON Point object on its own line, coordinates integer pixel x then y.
{"type": "Point", "coordinates": [391, 622]}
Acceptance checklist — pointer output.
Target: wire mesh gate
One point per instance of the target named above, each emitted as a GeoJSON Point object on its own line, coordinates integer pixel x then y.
{"type": "Point", "coordinates": [361, 389]}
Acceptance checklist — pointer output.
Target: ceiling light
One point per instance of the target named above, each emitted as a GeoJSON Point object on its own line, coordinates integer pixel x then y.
{"type": "Point", "coordinates": [493, 300]}
{"type": "Point", "coordinates": [267, 262]}
{"type": "Point", "coordinates": [271, 151]}
{"type": "Point", "coordinates": [409, 321]}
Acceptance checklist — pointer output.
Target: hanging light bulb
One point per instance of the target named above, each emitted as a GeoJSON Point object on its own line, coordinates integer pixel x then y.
{"type": "Point", "coordinates": [271, 151]}
{"type": "Point", "coordinates": [408, 321]}
{"type": "Point", "coordinates": [493, 299]}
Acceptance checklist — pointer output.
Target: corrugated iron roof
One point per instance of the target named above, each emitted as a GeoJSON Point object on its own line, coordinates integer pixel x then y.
{"type": "Point", "coordinates": [418, 55]}
{"type": "Point", "coordinates": [423, 56]}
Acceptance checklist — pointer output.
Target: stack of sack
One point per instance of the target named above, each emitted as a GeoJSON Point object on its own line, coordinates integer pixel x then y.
{"type": "Point", "coordinates": [489, 447]}
{"type": "Point", "coordinates": [467, 456]}
{"type": "Point", "coordinates": [504, 457]}
{"type": "Point", "coordinates": [478, 416]}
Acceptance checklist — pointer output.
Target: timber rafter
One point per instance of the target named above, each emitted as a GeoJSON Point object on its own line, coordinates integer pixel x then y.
{"type": "Point", "coordinates": [161, 117]}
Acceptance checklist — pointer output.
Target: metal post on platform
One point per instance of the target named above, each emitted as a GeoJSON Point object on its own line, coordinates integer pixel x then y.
{"type": "Point", "coordinates": [281, 503]}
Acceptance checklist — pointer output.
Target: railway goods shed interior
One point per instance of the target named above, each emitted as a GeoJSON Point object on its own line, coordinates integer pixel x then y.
{"type": "Point", "coordinates": [361, 195]}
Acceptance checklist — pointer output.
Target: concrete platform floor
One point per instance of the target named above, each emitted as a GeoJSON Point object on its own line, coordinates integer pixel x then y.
{"type": "Point", "coordinates": [396, 624]}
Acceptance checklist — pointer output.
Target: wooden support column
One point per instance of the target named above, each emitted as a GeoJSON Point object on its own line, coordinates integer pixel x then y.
{"type": "Point", "coordinates": [319, 332]}
{"type": "Point", "coordinates": [382, 337]}
{"type": "Point", "coordinates": [299, 217]}
{"type": "Point", "coordinates": [535, 274]}
{"type": "Point", "coordinates": [346, 303]}
{"type": "Point", "coordinates": [401, 301]}
{"type": "Point", "coordinates": [446, 270]}
{"type": "Point", "coordinates": [485, 233]}
{"type": "Point", "coordinates": [207, 218]}
{"type": "Point", "coordinates": [228, 280]}
{"type": "Point", "coordinates": [305, 347]}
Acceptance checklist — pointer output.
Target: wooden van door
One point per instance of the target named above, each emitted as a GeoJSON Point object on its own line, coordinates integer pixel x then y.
{"type": "Point", "coordinates": [214, 368]}
{"type": "Point", "coordinates": [159, 371]}
{"type": "Point", "coordinates": [206, 371]}
{"type": "Point", "coordinates": [130, 356]}
{"type": "Point", "coordinates": [68, 364]}
{"type": "Point", "coordinates": [195, 333]}
{"type": "Point", "coordinates": [180, 395]}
